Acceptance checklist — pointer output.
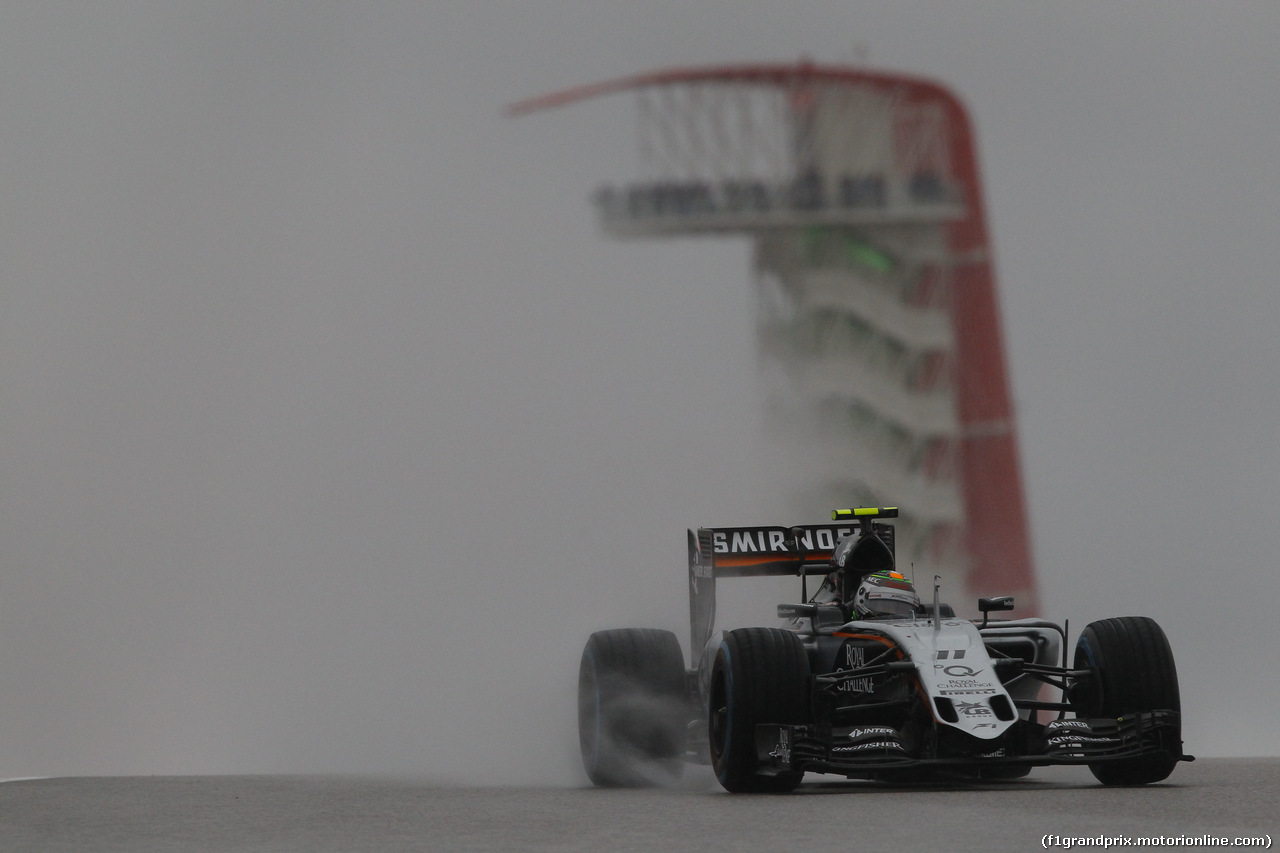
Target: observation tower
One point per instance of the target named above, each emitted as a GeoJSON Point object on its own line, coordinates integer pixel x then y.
{"type": "Point", "coordinates": [878, 327]}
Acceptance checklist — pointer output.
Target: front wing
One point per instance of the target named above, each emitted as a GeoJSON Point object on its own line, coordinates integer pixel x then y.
{"type": "Point", "coordinates": [869, 751]}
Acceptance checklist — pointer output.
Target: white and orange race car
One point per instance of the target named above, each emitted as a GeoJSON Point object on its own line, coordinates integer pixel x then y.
{"type": "Point", "coordinates": [897, 690]}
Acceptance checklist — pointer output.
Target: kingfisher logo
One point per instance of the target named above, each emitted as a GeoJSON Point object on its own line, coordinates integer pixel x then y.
{"type": "Point", "coordinates": [782, 752]}
{"type": "Point", "coordinates": [871, 745]}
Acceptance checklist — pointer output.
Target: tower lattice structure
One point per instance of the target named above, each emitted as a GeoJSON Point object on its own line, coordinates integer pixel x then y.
{"type": "Point", "coordinates": [877, 320]}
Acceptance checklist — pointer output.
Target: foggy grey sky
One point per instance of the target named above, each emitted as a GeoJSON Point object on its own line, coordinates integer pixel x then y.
{"type": "Point", "coordinates": [331, 426]}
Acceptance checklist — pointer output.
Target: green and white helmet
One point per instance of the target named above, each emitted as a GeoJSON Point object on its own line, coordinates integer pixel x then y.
{"type": "Point", "coordinates": [886, 593]}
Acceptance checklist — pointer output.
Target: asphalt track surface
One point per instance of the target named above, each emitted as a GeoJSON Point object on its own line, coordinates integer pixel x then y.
{"type": "Point", "coordinates": [1218, 797]}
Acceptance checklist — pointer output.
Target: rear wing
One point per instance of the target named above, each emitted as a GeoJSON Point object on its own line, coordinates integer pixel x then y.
{"type": "Point", "coordinates": [739, 552]}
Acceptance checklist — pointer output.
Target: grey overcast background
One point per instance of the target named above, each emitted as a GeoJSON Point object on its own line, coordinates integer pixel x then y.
{"type": "Point", "coordinates": [331, 426]}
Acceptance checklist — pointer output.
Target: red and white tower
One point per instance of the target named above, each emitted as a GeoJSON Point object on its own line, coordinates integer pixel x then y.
{"type": "Point", "coordinates": [878, 325]}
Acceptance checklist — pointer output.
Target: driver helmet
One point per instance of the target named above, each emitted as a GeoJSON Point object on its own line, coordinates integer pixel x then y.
{"type": "Point", "coordinates": [886, 593]}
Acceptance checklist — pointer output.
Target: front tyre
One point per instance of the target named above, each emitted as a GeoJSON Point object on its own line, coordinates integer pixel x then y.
{"type": "Point", "coordinates": [760, 675]}
{"type": "Point", "coordinates": [633, 708]}
{"type": "Point", "coordinates": [1133, 672]}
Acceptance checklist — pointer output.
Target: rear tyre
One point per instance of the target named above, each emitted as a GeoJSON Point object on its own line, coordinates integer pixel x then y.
{"type": "Point", "coordinates": [633, 708]}
{"type": "Point", "coordinates": [760, 675]}
{"type": "Point", "coordinates": [1133, 672]}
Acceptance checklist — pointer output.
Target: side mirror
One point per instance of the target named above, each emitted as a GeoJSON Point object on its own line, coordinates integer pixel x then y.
{"type": "Point", "coordinates": [986, 605]}
{"type": "Point", "coordinates": [1004, 602]}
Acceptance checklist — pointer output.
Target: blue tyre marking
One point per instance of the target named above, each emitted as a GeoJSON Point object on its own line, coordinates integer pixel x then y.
{"type": "Point", "coordinates": [1083, 645]}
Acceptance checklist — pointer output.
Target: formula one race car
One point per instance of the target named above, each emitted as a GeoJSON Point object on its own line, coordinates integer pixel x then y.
{"type": "Point", "coordinates": [864, 680]}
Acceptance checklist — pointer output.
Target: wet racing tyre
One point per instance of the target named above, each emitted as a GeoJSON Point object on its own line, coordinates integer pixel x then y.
{"type": "Point", "coordinates": [633, 708]}
{"type": "Point", "coordinates": [1133, 672]}
{"type": "Point", "coordinates": [760, 675]}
